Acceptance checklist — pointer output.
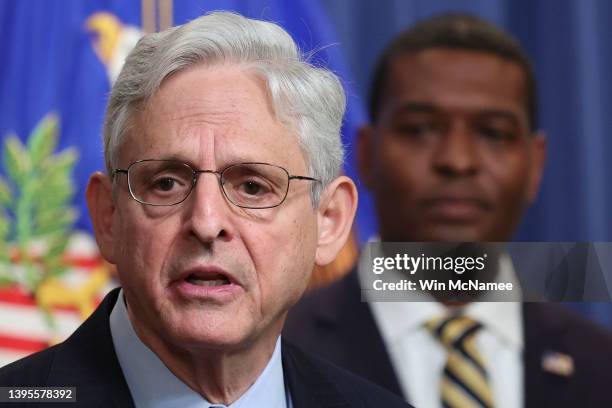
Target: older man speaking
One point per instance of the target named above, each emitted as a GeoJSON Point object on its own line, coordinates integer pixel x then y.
{"type": "Point", "coordinates": [222, 192]}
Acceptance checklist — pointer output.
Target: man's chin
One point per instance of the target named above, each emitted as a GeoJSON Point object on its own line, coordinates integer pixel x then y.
{"type": "Point", "coordinates": [452, 233]}
{"type": "Point", "coordinates": [218, 329]}
{"type": "Point", "coordinates": [216, 339]}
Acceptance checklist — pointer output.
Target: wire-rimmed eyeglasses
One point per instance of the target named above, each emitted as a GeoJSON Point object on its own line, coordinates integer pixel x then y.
{"type": "Point", "coordinates": [247, 185]}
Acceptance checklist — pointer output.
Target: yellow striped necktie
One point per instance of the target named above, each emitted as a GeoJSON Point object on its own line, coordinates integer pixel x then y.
{"type": "Point", "coordinates": [464, 381]}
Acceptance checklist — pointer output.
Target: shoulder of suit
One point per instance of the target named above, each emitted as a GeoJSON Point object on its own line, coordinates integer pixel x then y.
{"type": "Point", "coordinates": [80, 350]}
{"type": "Point", "coordinates": [339, 293]}
{"type": "Point", "coordinates": [572, 332]}
{"type": "Point", "coordinates": [560, 318]}
{"type": "Point", "coordinates": [32, 370]}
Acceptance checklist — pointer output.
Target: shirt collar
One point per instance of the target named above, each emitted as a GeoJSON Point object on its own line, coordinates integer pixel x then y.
{"type": "Point", "coordinates": [502, 319]}
{"type": "Point", "coordinates": [153, 385]}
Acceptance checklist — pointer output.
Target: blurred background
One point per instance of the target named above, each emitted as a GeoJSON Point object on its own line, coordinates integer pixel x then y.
{"type": "Point", "coordinates": [59, 59]}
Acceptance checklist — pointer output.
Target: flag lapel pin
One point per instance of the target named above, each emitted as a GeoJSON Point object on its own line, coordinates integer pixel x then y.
{"type": "Point", "coordinates": [557, 363]}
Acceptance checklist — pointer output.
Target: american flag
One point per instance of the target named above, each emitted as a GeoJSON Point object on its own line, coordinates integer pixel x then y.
{"type": "Point", "coordinates": [24, 328]}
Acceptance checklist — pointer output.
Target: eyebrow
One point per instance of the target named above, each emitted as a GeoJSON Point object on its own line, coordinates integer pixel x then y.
{"type": "Point", "coordinates": [421, 107]}
{"type": "Point", "coordinates": [173, 156]}
{"type": "Point", "coordinates": [499, 113]}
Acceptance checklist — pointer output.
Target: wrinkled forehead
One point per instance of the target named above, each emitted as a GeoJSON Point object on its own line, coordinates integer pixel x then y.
{"type": "Point", "coordinates": [218, 114]}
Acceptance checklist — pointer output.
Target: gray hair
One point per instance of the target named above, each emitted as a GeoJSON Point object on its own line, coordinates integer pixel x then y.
{"type": "Point", "coordinates": [307, 99]}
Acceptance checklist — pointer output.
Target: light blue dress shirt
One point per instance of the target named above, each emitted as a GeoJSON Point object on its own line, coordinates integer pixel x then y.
{"type": "Point", "coordinates": [153, 385]}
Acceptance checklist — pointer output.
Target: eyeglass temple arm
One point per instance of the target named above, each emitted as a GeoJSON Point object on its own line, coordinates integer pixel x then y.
{"type": "Point", "coordinates": [115, 171]}
{"type": "Point", "coordinates": [303, 178]}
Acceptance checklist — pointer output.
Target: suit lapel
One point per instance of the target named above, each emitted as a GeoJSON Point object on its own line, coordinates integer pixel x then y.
{"type": "Point", "coordinates": [308, 387]}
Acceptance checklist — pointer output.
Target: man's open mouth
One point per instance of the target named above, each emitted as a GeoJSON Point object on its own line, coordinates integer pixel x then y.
{"type": "Point", "coordinates": [209, 280]}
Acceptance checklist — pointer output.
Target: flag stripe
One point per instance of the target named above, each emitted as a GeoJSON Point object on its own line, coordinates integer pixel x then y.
{"type": "Point", "coordinates": [8, 356]}
{"type": "Point", "coordinates": [17, 297]}
{"type": "Point", "coordinates": [29, 322]}
{"type": "Point", "coordinates": [21, 343]}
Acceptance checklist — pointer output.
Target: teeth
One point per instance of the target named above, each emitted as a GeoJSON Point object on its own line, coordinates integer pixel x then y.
{"type": "Point", "coordinates": [202, 282]}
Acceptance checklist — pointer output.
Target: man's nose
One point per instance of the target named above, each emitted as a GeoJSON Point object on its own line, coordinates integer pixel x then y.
{"type": "Point", "coordinates": [208, 213]}
{"type": "Point", "coordinates": [456, 153]}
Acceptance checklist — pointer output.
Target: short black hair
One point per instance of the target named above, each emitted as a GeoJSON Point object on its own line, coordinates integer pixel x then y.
{"type": "Point", "coordinates": [455, 31]}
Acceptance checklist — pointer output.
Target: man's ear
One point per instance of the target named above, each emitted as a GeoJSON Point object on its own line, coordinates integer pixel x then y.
{"type": "Point", "coordinates": [538, 159]}
{"type": "Point", "coordinates": [335, 217]}
{"type": "Point", "coordinates": [365, 156]}
{"type": "Point", "coordinates": [101, 210]}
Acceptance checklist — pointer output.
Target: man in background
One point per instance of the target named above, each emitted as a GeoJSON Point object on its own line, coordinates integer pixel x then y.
{"type": "Point", "coordinates": [453, 154]}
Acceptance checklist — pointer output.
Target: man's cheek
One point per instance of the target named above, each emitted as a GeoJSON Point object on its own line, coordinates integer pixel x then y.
{"type": "Point", "coordinates": [507, 187]}
{"type": "Point", "coordinates": [139, 251]}
{"type": "Point", "coordinates": [290, 264]}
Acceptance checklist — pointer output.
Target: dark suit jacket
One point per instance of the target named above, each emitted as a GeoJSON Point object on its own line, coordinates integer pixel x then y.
{"type": "Point", "coordinates": [87, 361]}
{"type": "Point", "coordinates": [335, 324]}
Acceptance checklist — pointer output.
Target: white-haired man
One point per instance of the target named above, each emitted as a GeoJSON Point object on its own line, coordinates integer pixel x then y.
{"type": "Point", "coordinates": [222, 192]}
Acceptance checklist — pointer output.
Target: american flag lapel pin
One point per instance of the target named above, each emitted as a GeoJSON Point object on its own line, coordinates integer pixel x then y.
{"type": "Point", "coordinates": [557, 363]}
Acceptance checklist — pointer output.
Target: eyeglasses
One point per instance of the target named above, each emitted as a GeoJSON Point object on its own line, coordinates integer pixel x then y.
{"type": "Point", "coordinates": [246, 185]}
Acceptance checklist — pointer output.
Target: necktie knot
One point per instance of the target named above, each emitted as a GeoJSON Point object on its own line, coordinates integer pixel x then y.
{"type": "Point", "coordinates": [452, 331]}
